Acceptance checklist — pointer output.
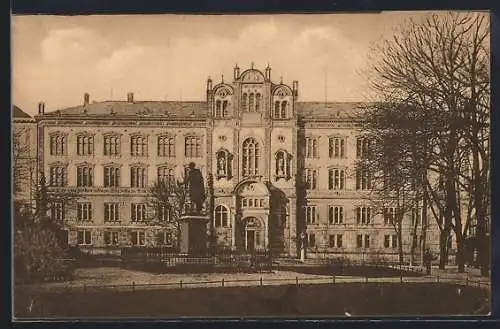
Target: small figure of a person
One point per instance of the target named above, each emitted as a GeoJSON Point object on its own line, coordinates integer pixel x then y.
{"type": "Point", "coordinates": [427, 261]}
{"type": "Point", "coordinates": [222, 166]}
{"type": "Point", "coordinates": [281, 167]}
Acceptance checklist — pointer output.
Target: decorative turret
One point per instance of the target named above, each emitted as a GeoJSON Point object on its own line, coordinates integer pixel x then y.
{"type": "Point", "coordinates": [209, 84]}
{"type": "Point", "coordinates": [236, 72]}
{"type": "Point", "coordinates": [41, 108]}
{"type": "Point", "coordinates": [295, 88]}
{"type": "Point", "coordinates": [268, 73]}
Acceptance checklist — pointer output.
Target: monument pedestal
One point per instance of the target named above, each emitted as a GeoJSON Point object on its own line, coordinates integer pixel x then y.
{"type": "Point", "coordinates": [193, 235]}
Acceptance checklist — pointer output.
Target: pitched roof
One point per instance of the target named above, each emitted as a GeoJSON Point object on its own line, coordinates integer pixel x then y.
{"type": "Point", "coordinates": [199, 109]}
{"type": "Point", "coordinates": [329, 110]}
{"type": "Point", "coordinates": [170, 109]}
{"type": "Point", "coordinates": [18, 113]}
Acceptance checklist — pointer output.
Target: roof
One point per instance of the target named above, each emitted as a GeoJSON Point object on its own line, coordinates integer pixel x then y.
{"type": "Point", "coordinates": [18, 113]}
{"type": "Point", "coordinates": [170, 109]}
{"type": "Point", "coordinates": [322, 110]}
{"type": "Point", "coordinates": [199, 109]}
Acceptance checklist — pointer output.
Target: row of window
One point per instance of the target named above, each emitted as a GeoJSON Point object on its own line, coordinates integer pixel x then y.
{"type": "Point", "coordinates": [84, 212]}
{"type": "Point", "coordinates": [192, 144]}
{"type": "Point", "coordinates": [362, 241]}
{"type": "Point", "coordinates": [363, 215]}
{"type": "Point", "coordinates": [138, 146]}
{"type": "Point", "coordinates": [112, 238]}
{"type": "Point", "coordinates": [337, 147]}
{"type": "Point", "coordinates": [337, 179]}
{"type": "Point", "coordinates": [251, 103]}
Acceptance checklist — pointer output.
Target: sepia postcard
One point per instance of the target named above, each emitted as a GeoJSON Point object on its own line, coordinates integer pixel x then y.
{"type": "Point", "coordinates": [214, 166]}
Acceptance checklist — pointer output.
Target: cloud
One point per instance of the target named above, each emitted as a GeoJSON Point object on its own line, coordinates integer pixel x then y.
{"type": "Point", "coordinates": [72, 44]}
{"type": "Point", "coordinates": [81, 59]}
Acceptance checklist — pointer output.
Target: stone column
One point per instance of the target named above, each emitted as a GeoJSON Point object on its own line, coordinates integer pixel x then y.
{"type": "Point", "coordinates": [233, 223]}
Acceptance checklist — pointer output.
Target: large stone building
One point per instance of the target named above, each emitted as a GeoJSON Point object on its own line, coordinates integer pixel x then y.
{"type": "Point", "coordinates": [280, 167]}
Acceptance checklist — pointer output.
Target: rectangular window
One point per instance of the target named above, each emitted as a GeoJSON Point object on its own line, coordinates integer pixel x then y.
{"type": "Point", "coordinates": [336, 179]}
{"type": "Point", "coordinates": [311, 179]}
{"type": "Point", "coordinates": [165, 239]}
{"type": "Point", "coordinates": [363, 241]}
{"type": "Point", "coordinates": [389, 213]}
{"type": "Point", "coordinates": [336, 147]}
{"type": "Point", "coordinates": [138, 177]}
{"type": "Point", "coordinates": [58, 176]}
{"type": "Point", "coordinates": [84, 145]}
{"type": "Point", "coordinates": [139, 146]}
{"type": "Point", "coordinates": [390, 241]}
{"type": "Point", "coordinates": [335, 241]}
{"type": "Point", "coordinates": [335, 214]}
{"type": "Point", "coordinates": [84, 176]}
{"type": "Point", "coordinates": [112, 145]}
{"type": "Point", "coordinates": [311, 215]}
{"type": "Point", "coordinates": [58, 145]}
{"type": "Point", "coordinates": [84, 237]}
{"type": "Point", "coordinates": [362, 147]}
{"type": "Point", "coordinates": [138, 212]}
{"type": "Point", "coordinates": [166, 146]}
{"type": "Point", "coordinates": [363, 215]}
{"type": "Point", "coordinates": [57, 211]}
{"type": "Point", "coordinates": [111, 177]}
{"type": "Point", "coordinates": [138, 238]}
{"type": "Point", "coordinates": [363, 179]}
{"type": "Point", "coordinates": [111, 238]}
{"type": "Point", "coordinates": [312, 147]}
{"type": "Point", "coordinates": [84, 212]}
{"type": "Point", "coordinates": [164, 213]}
{"type": "Point", "coordinates": [192, 147]}
{"type": "Point", "coordinates": [111, 212]}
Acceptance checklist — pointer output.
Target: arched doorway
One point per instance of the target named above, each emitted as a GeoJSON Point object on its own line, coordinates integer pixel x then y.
{"type": "Point", "coordinates": [254, 234]}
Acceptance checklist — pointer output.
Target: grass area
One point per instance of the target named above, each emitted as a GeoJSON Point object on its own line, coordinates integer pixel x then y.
{"type": "Point", "coordinates": [371, 299]}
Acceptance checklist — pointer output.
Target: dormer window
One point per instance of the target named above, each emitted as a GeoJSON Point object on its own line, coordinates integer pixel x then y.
{"type": "Point", "coordinates": [283, 164]}
{"type": "Point", "coordinates": [224, 159]}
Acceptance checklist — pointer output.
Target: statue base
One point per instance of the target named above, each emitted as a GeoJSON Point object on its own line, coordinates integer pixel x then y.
{"type": "Point", "coordinates": [193, 235]}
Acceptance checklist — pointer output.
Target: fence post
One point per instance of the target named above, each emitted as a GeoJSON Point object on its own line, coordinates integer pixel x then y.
{"type": "Point", "coordinates": [366, 279]}
{"type": "Point", "coordinates": [84, 287]}
{"type": "Point", "coordinates": [223, 282]}
{"type": "Point", "coordinates": [466, 281]}
{"type": "Point", "coordinates": [180, 284]}
{"type": "Point", "coordinates": [261, 281]}
{"type": "Point", "coordinates": [297, 280]}
{"type": "Point", "coordinates": [333, 278]}
{"type": "Point", "coordinates": [401, 278]}
{"type": "Point", "coordinates": [133, 285]}
{"type": "Point", "coordinates": [437, 278]}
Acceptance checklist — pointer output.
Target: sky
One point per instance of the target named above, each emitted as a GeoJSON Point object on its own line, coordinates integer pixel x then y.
{"type": "Point", "coordinates": [56, 59]}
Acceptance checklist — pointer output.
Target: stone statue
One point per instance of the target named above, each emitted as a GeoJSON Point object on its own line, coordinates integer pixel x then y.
{"type": "Point", "coordinates": [195, 189]}
{"type": "Point", "coordinates": [281, 167]}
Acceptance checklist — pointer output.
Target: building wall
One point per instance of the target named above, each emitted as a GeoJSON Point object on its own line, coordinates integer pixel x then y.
{"type": "Point", "coordinates": [287, 216]}
{"type": "Point", "coordinates": [24, 158]}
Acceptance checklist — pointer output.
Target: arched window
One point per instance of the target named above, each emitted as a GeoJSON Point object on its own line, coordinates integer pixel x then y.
{"type": "Point", "coordinates": [251, 101]}
{"type": "Point", "coordinates": [277, 109]}
{"type": "Point", "coordinates": [251, 157]}
{"type": "Point", "coordinates": [221, 217]}
{"type": "Point", "coordinates": [244, 102]}
{"type": "Point", "coordinates": [257, 102]}
{"type": "Point", "coordinates": [283, 109]}
{"type": "Point", "coordinates": [218, 109]}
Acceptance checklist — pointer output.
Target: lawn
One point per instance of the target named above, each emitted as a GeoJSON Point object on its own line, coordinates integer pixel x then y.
{"type": "Point", "coordinates": [358, 299]}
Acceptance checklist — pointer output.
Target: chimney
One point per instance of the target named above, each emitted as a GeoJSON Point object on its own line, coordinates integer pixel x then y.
{"type": "Point", "coordinates": [130, 97]}
{"type": "Point", "coordinates": [41, 108]}
{"type": "Point", "coordinates": [86, 99]}
{"type": "Point", "coordinates": [236, 72]}
{"type": "Point", "coordinates": [268, 72]}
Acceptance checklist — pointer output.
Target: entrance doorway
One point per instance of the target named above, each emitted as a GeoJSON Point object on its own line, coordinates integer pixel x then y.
{"type": "Point", "coordinates": [250, 240]}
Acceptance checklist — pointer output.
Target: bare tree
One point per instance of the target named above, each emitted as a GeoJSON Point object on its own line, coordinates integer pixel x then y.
{"type": "Point", "coordinates": [439, 65]}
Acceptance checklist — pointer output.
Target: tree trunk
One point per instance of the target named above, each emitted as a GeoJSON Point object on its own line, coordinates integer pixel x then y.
{"type": "Point", "coordinates": [424, 226]}
{"type": "Point", "coordinates": [443, 249]}
{"type": "Point", "coordinates": [460, 259]}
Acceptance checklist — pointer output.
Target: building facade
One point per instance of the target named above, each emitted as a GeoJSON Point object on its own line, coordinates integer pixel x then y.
{"type": "Point", "coordinates": [280, 168]}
